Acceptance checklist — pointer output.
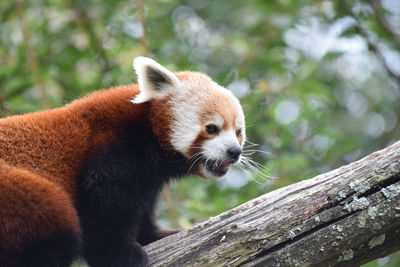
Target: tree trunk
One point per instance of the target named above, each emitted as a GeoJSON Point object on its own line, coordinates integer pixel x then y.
{"type": "Point", "coordinates": [345, 217]}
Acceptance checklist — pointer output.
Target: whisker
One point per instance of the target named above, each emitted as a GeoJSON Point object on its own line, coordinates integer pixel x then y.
{"type": "Point", "coordinates": [250, 145]}
{"type": "Point", "coordinates": [247, 141]}
{"type": "Point", "coordinates": [194, 162]}
{"type": "Point", "coordinates": [258, 170]}
{"type": "Point", "coordinates": [249, 174]}
{"type": "Point", "coordinates": [257, 150]}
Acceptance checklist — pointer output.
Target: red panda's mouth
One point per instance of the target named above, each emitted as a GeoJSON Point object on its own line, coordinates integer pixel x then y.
{"type": "Point", "coordinates": [217, 168]}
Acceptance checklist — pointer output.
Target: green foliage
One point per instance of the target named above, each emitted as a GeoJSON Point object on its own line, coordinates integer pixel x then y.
{"type": "Point", "coordinates": [319, 80]}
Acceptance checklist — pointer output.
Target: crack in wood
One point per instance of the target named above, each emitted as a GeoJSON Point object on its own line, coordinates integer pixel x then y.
{"type": "Point", "coordinates": [328, 204]}
{"type": "Point", "coordinates": [385, 183]}
{"type": "Point", "coordinates": [298, 237]}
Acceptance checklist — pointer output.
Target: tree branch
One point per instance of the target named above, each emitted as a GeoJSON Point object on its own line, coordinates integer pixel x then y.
{"type": "Point", "coordinates": [377, 51]}
{"type": "Point", "coordinates": [372, 45]}
{"type": "Point", "coordinates": [345, 217]}
{"type": "Point", "coordinates": [385, 25]}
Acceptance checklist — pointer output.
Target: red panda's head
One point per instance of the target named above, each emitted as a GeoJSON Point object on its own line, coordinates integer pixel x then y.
{"type": "Point", "coordinates": [193, 115]}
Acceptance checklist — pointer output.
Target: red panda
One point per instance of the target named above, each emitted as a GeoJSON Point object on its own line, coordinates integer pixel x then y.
{"type": "Point", "coordinates": [82, 180]}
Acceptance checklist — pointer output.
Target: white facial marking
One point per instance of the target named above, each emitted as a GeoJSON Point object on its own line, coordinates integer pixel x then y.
{"type": "Point", "coordinates": [239, 123]}
{"type": "Point", "coordinates": [186, 126]}
{"type": "Point", "coordinates": [217, 120]}
{"type": "Point", "coordinates": [186, 107]}
{"type": "Point", "coordinates": [216, 148]}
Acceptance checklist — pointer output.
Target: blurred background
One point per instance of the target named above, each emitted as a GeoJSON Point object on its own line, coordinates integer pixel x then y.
{"type": "Point", "coordinates": [319, 80]}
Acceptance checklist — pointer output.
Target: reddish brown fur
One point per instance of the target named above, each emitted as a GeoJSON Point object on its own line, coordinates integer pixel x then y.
{"type": "Point", "coordinates": [26, 197]}
{"type": "Point", "coordinates": [220, 104]}
{"type": "Point", "coordinates": [42, 153]}
{"type": "Point", "coordinates": [161, 119]}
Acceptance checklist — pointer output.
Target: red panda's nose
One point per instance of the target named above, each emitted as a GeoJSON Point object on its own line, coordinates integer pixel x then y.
{"type": "Point", "coordinates": [234, 152]}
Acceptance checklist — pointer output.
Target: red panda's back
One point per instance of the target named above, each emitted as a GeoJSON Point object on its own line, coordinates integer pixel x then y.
{"type": "Point", "coordinates": [51, 144]}
{"type": "Point", "coordinates": [54, 144]}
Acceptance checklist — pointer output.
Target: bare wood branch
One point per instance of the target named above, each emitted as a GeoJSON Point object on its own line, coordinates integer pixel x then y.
{"type": "Point", "coordinates": [345, 217]}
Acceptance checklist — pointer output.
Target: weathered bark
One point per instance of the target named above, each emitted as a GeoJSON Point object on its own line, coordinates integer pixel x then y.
{"type": "Point", "coordinates": [345, 217]}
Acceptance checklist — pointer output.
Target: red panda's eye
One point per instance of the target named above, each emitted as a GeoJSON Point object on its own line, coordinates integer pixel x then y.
{"type": "Point", "coordinates": [238, 132]}
{"type": "Point", "coordinates": [212, 129]}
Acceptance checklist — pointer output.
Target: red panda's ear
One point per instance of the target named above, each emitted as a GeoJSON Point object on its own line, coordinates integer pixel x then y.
{"type": "Point", "coordinates": [153, 79]}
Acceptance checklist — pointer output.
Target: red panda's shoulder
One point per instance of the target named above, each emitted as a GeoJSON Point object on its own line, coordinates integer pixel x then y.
{"type": "Point", "coordinates": [113, 104]}
{"type": "Point", "coordinates": [56, 142]}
